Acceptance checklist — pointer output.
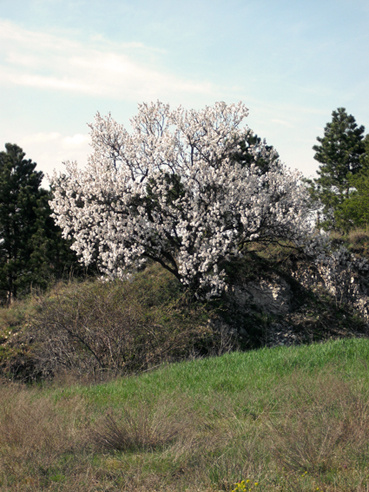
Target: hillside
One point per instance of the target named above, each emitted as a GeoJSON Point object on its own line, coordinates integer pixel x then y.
{"type": "Point", "coordinates": [91, 328]}
{"type": "Point", "coordinates": [284, 419]}
{"type": "Point", "coordinates": [138, 386]}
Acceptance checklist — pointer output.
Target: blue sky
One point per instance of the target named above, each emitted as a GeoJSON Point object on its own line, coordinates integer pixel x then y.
{"type": "Point", "coordinates": [291, 61]}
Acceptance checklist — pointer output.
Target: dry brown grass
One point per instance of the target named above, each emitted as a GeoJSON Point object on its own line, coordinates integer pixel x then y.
{"type": "Point", "coordinates": [358, 240]}
{"type": "Point", "coordinates": [310, 430]}
{"type": "Point", "coordinates": [34, 434]}
{"type": "Point", "coordinates": [146, 428]}
{"type": "Point", "coordinates": [323, 431]}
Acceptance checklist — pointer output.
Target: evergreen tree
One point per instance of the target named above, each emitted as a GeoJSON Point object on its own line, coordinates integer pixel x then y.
{"type": "Point", "coordinates": [354, 211]}
{"type": "Point", "coordinates": [51, 258]}
{"type": "Point", "coordinates": [31, 247]}
{"type": "Point", "coordinates": [340, 154]}
{"type": "Point", "coordinates": [365, 156]}
{"type": "Point", "coordinates": [19, 192]}
{"type": "Point", "coordinates": [254, 151]}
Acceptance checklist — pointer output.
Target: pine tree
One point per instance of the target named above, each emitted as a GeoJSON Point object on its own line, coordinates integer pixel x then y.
{"type": "Point", "coordinates": [340, 155]}
{"type": "Point", "coordinates": [354, 211]}
{"type": "Point", "coordinates": [19, 192]}
{"type": "Point", "coordinates": [31, 247]}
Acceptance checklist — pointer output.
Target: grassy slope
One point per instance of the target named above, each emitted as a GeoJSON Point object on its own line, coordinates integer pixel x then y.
{"type": "Point", "coordinates": [292, 418]}
{"type": "Point", "coordinates": [236, 372]}
{"type": "Point", "coordinates": [286, 418]}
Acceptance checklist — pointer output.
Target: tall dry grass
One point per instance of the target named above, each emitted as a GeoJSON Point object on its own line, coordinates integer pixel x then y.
{"type": "Point", "coordinates": [323, 432]}
{"type": "Point", "coordinates": [305, 430]}
{"type": "Point", "coordinates": [34, 434]}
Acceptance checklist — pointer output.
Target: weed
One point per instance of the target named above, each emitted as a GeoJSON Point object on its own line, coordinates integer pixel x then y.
{"type": "Point", "coordinates": [144, 429]}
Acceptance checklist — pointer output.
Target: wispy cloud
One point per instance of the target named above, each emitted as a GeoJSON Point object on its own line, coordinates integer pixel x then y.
{"type": "Point", "coordinates": [282, 122]}
{"type": "Point", "coordinates": [97, 67]}
{"type": "Point", "coordinates": [50, 149]}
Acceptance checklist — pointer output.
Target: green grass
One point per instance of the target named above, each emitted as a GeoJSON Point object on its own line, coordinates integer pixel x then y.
{"type": "Point", "coordinates": [287, 419]}
{"type": "Point", "coordinates": [236, 372]}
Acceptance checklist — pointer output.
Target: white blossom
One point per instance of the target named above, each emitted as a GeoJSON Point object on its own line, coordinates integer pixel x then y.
{"type": "Point", "coordinates": [172, 190]}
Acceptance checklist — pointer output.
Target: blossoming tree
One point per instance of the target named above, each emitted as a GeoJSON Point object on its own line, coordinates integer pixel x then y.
{"type": "Point", "coordinates": [188, 189]}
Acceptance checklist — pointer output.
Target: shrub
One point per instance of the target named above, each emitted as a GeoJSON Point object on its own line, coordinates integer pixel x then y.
{"type": "Point", "coordinates": [95, 327]}
{"type": "Point", "coordinates": [150, 427]}
{"type": "Point", "coordinates": [358, 240]}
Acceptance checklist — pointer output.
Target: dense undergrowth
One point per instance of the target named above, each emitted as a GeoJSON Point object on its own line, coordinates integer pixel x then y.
{"type": "Point", "coordinates": [99, 330]}
{"type": "Point", "coordinates": [95, 329]}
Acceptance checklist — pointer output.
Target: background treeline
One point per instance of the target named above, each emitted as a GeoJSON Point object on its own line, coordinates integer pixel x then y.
{"type": "Point", "coordinates": [33, 253]}
{"type": "Point", "coordinates": [341, 192]}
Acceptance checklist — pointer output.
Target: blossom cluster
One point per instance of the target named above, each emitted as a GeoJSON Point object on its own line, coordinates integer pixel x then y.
{"type": "Point", "coordinates": [176, 190]}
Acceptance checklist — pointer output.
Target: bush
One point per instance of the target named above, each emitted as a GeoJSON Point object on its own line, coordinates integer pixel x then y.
{"type": "Point", "coordinates": [359, 241]}
{"type": "Point", "coordinates": [95, 327]}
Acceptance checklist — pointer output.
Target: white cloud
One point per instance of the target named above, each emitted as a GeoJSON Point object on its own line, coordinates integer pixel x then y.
{"type": "Point", "coordinates": [282, 122]}
{"type": "Point", "coordinates": [50, 150]}
{"type": "Point", "coordinates": [41, 138]}
{"type": "Point", "coordinates": [76, 140]}
{"type": "Point", "coordinates": [96, 67]}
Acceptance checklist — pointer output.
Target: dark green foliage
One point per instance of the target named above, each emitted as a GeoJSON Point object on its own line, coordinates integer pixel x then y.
{"type": "Point", "coordinates": [253, 152]}
{"type": "Point", "coordinates": [365, 157]}
{"type": "Point", "coordinates": [19, 197]}
{"type": "Point", "coordinates": [340, 154]}
{"type": "Point", "coordinates": [51, 258]}
{"type": "Point", "coordinates": [32, 251]}
{"type": "Point", "coordinates": [354, 211]}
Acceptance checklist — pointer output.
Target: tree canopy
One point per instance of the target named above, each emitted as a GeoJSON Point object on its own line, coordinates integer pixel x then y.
{"type": "Point", "coordinates": [354, 211]}
{"type": "Point", "coordinates": [31, 247]}
{"type": "Point", "coordinates": [187, 189]}
{"type": "Point", "coordinates": [340, 153]}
